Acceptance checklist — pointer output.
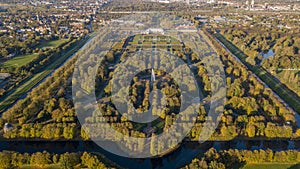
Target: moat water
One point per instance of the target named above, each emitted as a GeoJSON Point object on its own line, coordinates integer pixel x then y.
{"type": "Point", "coordinates": [178, 158]}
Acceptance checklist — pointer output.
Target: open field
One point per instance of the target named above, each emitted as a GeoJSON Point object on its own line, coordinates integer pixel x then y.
{"type": "Point", "coordinates": [21, 60]}
{"type": "Point", "coordinates": [284, 92]}
{"type": "Point", "coordinates": [271, 166]}
{"type": "Point", "coordinates": [18, 61]}
{"type": "Point", "coordinates": [17, 93]}
{"type": "Point", "coordinates": [52, 44]}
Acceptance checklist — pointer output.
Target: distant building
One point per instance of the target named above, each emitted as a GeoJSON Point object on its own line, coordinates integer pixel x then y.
{"type": "Point", "coordinates": [4, 76]}
{"type": "Point", "coordinates": [188, 2]}
{"type": "Point", "coordinates": [211, 1]}
{"type": "Point", "coordinates": [266, 5]}
{"type": "Point", "coordinates": [154, 31]}
{"type": "Point", "coordinates": [219, 19]}
{"type": "Point", "coordinates": [164, 1]}
{"type": "Point", "coordinates": [186, 28]}
{"type": "Point", "coordinates": [139, 25]}
{"type": "Point", "coordinates": [202, 19]}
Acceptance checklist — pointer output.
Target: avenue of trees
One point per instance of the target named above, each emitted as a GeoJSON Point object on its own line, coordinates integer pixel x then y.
{"type": "Point", "coordinates": [37, 65]}
{"type": "Point", "coordinates": [252, 109]}
{"type": "Point", "coordinates": [10, 159]}
{"type": "Point", "coordinates": [285, 45]}
{"type": "Point", "coordinates": [45, 109]}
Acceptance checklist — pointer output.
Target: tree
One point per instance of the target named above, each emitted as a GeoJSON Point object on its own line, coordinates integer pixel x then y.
{"type": "Point", "coordinates": [5, 160]}
{"type": "Point", "coordinates": [91, 161]}
{"type": "Point", "coordinates": [216, 165]}
{"type": "Point", "coordinates": [40, 159]}
{"type": "Point", "coordinates": [69, 160]}
{"type": "Point", "coordinates": [251, 60]}
{"type": "Point", "coordinates": [251, 130]}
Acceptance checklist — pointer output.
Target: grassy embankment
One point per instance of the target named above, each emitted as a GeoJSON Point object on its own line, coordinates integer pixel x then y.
{"type": "Point", "coordinates": [280, 89]}
{"type": "Point", "coordinates": [18, 61]}
{"type": "Point", "coordinates": [52, 44]}
{"type": "Point", "coordinates": [271, 166]}
{"type": "Point", "coordinates": [19, 91]}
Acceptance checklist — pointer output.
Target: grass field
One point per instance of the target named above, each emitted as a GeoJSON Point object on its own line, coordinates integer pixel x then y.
{"type": "Point", "coordinates": [18, 61]}
{"type": "Point", "coordinates": [52, 44]}
{"type": "Point", "coordinates": [280, 89]}
{"type": "Point", "coordinates": [21, 60]}
{"type": "Point", "coordinates": [22, 89]}
{"type": "Point", "coordinates": [271, 166]}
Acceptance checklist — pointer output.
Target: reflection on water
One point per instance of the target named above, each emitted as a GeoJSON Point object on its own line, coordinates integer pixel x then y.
{"type": "Point", "coordinates": [291, 145]}
{"type": "Point", "coordinates": [297, 116]}
{"type": "Point", "coordinates": [266, 55]}
{"type": "Point", "coordinates": [181, 156]}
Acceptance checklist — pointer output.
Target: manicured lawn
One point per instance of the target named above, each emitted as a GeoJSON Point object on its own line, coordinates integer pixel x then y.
{"type": "Point", "coordinates": [52, 44]}
{"type": "Point", "coordinates": [18, 61]}
{"type": "Point", "coordinates": [21, 60]}
{"type": "Point", "coordinates": [137, 38]}
{"type": "Point", "coordinates": [271, 166]}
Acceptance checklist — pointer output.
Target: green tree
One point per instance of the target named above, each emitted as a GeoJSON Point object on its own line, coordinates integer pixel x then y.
{"type": "Point", "coordinates": [69, 160]}
{"type": "Point", "coordinates": [5, 160]}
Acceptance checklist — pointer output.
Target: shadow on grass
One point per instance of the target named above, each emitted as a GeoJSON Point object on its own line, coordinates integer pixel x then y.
{"type": "Point", "coordinates": [296, 166]}
{"type": "Point", "coordinates": [239, 165]}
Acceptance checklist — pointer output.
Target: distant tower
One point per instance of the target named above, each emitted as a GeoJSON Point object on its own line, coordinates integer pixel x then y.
{"type": "Point", "coordinates": [38, 17]}
{"type": "Point", "coordinates": [252, 4]}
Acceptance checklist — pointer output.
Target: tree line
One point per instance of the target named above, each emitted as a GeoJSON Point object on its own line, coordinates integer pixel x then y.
{"type": "Point", "coordinates": [11, 159]}
{"type": "Point", "coordinates": [285, 45]}
{"type": "Point", "coordinates": [233, 158]}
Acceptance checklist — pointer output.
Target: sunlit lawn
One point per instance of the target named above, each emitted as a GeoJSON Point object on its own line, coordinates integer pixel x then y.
{"type": "Point", "coordinates": [18, 61]}
{"type": "Point", "coordinates": [52, 44]}
{"type": "Point", "coordinates": [21, 60]}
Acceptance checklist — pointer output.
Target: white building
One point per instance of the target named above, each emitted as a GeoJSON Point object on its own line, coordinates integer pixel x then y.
{"type": "Point", "coordinates": [164, 1]}
{"type": "Point", "coordinates": [154, 31]}
{"type": "Point", "coordinates": [186, 28]}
